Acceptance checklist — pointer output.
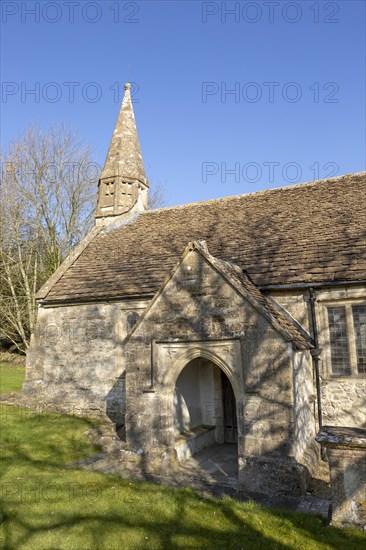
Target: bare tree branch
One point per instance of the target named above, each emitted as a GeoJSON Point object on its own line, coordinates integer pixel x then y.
{"type": "Point", "coordinates": [47, 197]}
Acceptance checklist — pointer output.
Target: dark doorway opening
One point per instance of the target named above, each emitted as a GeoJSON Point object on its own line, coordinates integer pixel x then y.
{"type": "Point", "coordinates": [229, 405]}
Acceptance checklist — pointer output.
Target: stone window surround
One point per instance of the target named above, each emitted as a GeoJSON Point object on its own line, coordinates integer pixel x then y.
{"type": "Point", "coordinates": [125, 308]}
{"type": "Point", "coordinates": [132, 318]}
{"type": "Point", "coordinates": [339, 299]}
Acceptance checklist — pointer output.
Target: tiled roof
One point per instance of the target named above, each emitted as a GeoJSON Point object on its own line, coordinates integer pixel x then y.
{"type": "Point", "coordinates": [308, 233]}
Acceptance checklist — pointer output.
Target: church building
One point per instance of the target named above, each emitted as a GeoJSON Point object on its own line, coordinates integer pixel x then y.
{"type": "Point", "coordinates": [238, 321]}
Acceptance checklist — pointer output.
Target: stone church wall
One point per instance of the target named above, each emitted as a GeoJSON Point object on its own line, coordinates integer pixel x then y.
{"type": "Point", "coordinates": [344, 402]}
{"type": "Point", "coordinates": [343, 397]}
{"type": "Point", "coordinates": [75, 360]}
{"type": "Point", "coordinates": [296, 304]}
{"type": "Point", "coordinates": [198, 312]}
{"type": "Point", "coordinates": [306, 450]}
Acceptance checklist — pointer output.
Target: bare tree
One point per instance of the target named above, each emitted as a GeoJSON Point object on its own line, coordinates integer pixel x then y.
{"type": "Point", "coordinates": [157, 196]}
{"type": "Point", "coordinates": [47, 197]}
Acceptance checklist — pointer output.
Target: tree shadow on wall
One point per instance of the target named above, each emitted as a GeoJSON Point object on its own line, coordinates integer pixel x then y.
{"type": "Point", "coordinates": [116, 405]}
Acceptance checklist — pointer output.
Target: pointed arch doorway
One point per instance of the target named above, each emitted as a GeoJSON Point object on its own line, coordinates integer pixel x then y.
{"type": "Point", "coordinates": [205, 415]}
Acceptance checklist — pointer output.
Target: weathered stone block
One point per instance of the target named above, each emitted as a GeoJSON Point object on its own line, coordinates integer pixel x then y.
{"type": "Point", "coordinates": [346, 450]}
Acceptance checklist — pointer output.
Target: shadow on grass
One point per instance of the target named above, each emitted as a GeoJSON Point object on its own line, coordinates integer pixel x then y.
{"type": "Point", "coordinates": [44, 505]}
{"type": "Point", "coordinates": [192, 525]}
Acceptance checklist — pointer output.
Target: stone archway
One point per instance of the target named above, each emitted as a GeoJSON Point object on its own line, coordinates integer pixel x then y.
{"type": "Point", "coordinates": [204, 409]}
{"type": "Point", "coordinates": [156, 408]}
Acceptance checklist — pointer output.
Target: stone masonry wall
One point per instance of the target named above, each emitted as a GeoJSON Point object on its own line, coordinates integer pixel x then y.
{"type": "Point", "coordinates": [344, 402]}
{"type": "Point", "coordinates": [296, 304]}
{"type": "Point", "coordinates": [75, 361]}
{"type": "Point", "coordinates": [306, 450]}
{"type": "Point", "coordinates": [343, 397]}
{"type": "Point", "coordinates": [198, 306]}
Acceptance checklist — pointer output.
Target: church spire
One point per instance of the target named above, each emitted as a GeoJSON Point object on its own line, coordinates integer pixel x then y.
{"type": "Point", "coordinates": [123, 185]}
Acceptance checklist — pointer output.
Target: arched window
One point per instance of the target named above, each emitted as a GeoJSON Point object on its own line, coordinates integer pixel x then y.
{"type": "Point", "coordinates": [131, 320]}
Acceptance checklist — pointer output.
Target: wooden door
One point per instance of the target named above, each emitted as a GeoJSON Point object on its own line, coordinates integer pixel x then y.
{"type": "Point", "coordinates": [230, 420]}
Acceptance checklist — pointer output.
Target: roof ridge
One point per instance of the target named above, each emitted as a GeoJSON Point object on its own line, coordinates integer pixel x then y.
{"type": "Point", "coordinates": [303, 185]}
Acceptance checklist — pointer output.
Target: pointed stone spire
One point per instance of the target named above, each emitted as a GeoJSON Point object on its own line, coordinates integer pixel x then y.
{"type": "Point", "coordinates": [123, 185]}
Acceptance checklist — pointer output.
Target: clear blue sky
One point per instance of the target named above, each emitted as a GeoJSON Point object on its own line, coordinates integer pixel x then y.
{"type": "Point", "coordinates": [191, 131]}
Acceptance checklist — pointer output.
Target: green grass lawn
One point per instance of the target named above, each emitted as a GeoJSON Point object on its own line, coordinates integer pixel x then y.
{"type": "Point", "coordinates": [46, 505]}
{"type": "Point", "coordinates": [11, 378]}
